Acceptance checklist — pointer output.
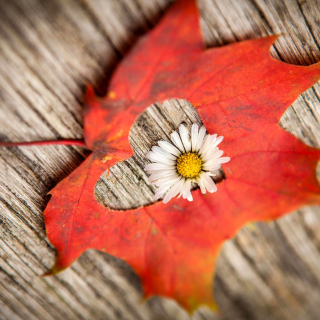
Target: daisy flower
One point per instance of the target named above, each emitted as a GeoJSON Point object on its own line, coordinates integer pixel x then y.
{"type": "Point", "coordinates": [179, 165]}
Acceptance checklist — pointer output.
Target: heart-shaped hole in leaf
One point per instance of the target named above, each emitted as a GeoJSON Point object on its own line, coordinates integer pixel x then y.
{"type": "Point", "coordinates": [126, 186]}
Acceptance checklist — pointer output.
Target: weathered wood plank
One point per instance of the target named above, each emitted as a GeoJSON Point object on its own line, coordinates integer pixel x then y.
{"type": "Point", "coordinates": [48, 51]}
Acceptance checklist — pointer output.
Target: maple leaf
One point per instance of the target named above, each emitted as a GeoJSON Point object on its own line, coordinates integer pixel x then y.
{"type": "Point", "coordinates": [240, 92]}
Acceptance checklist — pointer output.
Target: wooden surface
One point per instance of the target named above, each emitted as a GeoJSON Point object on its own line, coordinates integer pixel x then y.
{"type": "Point", "coordinates": [48, 51]}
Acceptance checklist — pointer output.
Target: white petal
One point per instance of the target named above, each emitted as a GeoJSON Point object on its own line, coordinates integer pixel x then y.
{"type": "Point", "coordinates": [156, 174]}
{"type": "Point", "coordinates": [207, 144]}
{"type": "Point", "coordinates": [224, 160]}
{"type": "Point", "coordinates": [201, 135]}
{"type": "Point", "coordinates": [160, 151]}
{"type": "Point", "coordinates": [202, 187]}
{"type": "Point", "coordinates": [208, 182]}
{"type": "Point", "coordinates": [186, 189]}
{"type": "Point", "coordinates": [185, 138]}
{"type": "Point", "coordinates": [214, 158]}
{"type": "Point", "coordinates": [204, 144]}
{"type": "Point", "coordinates": [213, 154]}
{"type": "Point", "coordinates": [161, 174]}
{"type": "Point", "coordinates": [209, 139]}
{"type": "Point", "coordinates": [160, 192]}
{"type": "Point", "coordinates": [167, 146]}
{"type": "Point", "coordinates": [212, 162]}
{"type": "Point", "coordinates": [194, 136]}
{"type": "Point", "coordinates": [158, 166]}
{"type": "Point", "coordinates": [177, 141]}
{"type": "Point", "coordinates": [212, 168]}
{"type": "Point", "coordinates": [219, 139]}
{"type": "Point", "coordinates": [159, 158]}
{"type": "Point", "coordinates": [176, 189]}
{"type": "Point", "coordinates": [168, 181]}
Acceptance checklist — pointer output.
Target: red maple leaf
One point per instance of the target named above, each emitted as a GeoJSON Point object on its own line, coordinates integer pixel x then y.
{"type": "Point", "coordinates": [240, 92]}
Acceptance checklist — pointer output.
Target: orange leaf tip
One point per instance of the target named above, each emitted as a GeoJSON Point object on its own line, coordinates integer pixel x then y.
{"type": "Point", "coordinates": [184, 163]}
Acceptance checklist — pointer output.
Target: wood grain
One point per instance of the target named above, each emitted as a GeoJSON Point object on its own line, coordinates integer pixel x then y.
{"type": "Point", "coordinates": [49, 50]}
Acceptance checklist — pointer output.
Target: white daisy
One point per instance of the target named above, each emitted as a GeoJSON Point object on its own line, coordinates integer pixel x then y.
{"type": "Point", "coordinates": [178, 165]}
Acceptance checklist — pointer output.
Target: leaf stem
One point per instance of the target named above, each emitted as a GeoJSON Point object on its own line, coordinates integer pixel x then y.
{"type": "Point", "coordinates": [69, 142]}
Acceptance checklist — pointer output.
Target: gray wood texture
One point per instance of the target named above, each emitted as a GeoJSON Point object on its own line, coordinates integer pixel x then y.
{"type": "Point", "coordinates": [49, 50]}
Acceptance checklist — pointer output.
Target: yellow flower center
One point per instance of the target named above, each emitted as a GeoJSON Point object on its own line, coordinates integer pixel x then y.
{"type": "Point", "coordinates": [189, 165]}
